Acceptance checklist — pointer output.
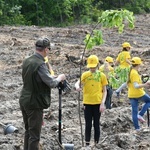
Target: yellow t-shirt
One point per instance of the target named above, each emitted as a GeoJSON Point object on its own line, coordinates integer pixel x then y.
{"type": "Point", "coordinates": [132, 91]}
{"type": "Point", "coordinates": [93, 87]}
{"type": "Point", "coordinates": [122, 57]}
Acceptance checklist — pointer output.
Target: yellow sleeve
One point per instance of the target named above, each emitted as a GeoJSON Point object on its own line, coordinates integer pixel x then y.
{"type": "Point", "coordinates": [104, 79]}
{"type": "Point", "coordinates": [52, 72]}
{"type": "Point", "coordinates": [46, 59]}
{"type": "Point", "coordinates": [101, 68]}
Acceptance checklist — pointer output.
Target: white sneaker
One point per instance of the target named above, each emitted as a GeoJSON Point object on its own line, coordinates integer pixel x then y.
{"type": "Point", "coordinates": [98, 146]}
{"type": "Point", "coordinates": [88, 147]}
{"type": "Point", "coordinates": [141, 119]}
{"type": "Point", "coordinates": [136, 132]}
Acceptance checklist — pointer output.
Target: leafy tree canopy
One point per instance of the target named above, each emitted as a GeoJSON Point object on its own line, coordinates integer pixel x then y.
{"type": "Point", "coordinates": [65, 12]}
{"type": "Point", "coordinates": [110, 19]}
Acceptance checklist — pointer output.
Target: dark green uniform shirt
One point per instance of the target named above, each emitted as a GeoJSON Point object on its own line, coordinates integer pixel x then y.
{"type": "Point", "coordinates": [37, 83]}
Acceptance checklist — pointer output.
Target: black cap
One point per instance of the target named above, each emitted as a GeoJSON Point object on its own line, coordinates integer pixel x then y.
{"type": "Point", "coordinates": [42, 43]}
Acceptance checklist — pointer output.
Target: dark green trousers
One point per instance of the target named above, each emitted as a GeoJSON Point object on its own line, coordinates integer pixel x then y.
{"type": "Point", "coordinates": [33, 122]}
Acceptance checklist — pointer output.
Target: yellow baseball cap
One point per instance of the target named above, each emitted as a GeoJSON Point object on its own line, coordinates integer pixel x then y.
{"type": "Point", "coordinates": [92, 61]}
{"type": "Point", "coordinates": [136, 61]}
{"type": "Point", "coordinates": [109, 59]}
{"type": "Point", "coordinates": [126, 44]}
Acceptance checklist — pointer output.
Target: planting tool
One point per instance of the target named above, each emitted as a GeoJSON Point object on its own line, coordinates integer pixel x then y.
{"type": "Point", "coordinates": [63, 87]}
{"type": "Point", "coordinates": [145, 78]}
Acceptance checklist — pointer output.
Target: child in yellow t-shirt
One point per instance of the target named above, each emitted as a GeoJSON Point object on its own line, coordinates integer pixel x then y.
{"type": "Point", "coordinates": [124, 57]}
{"type": "Point", "coordinates": [108, 70]}
{"type": "Point", "coordinates": [136, 93]}
{"type": "Point", "coordinates": [94, 95]}
{"type": "Point", "coordinates": [123, 60]}
{"type": "Point", "coordinates": [53, 74]}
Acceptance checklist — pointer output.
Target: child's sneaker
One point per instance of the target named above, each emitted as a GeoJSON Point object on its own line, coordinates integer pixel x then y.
{"type": "Point", "coordinates": [137, 131]}
{"type": "Point", "coordinates": [141, 119]}
{"type": "Point", "coordinates": [98, 146]}
{"type": "Point", "coordinates": [88, 147]}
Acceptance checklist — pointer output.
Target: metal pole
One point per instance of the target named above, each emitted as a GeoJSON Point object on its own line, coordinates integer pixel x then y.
{"type": "Point", "coordinates": [148, 123]}
{"type": "Point", "coordinates": [60, 93]}
{"type": "Point", "coordinates": [145, 78]}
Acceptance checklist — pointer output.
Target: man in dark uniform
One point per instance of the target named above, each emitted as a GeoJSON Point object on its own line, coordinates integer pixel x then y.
{"type": "Point", "coordinates": [36, 91]}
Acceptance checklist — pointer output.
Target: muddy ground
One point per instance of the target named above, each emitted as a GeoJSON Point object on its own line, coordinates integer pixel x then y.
{"type": "Point", "coordinates": [17, 43]}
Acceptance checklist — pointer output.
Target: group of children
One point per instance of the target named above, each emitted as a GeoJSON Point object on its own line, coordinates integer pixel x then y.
{"type": "Point", "coordinates": [96, 89]}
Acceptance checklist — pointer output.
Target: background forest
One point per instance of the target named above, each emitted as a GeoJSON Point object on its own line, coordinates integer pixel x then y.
{"type": "Point", "coordinates": [63, 12]}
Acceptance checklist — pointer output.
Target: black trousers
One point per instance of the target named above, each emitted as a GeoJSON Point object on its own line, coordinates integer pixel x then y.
{"type": "Point", "coordinates": [33, 122]}
{"type": "Point", "coordinates": [92, 114]}
{"type": "Point", "coordinates": [108, 97]}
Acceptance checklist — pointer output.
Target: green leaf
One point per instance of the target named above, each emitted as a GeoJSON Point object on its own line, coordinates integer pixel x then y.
{"type": "Point", "coordinates": [110, 19]}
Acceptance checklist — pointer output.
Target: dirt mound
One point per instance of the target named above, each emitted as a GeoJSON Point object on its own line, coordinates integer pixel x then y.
{"type": "Point", "coordinates": [17, 43]}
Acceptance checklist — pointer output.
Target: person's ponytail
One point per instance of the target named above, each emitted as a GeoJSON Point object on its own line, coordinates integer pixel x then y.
{"type": "Point", "coordinates": [132, 66]}
{"type": "Point", "coordinates": [128, 79]}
